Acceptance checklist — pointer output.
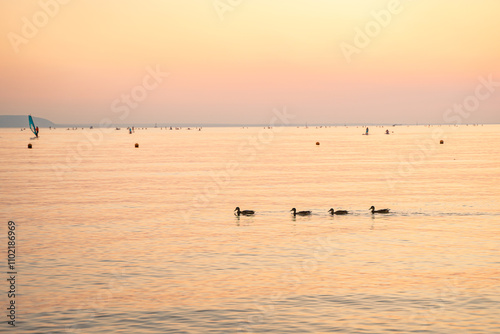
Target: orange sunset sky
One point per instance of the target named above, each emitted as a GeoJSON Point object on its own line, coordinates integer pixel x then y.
{"type": "Point", "coordinates": [233, 61]}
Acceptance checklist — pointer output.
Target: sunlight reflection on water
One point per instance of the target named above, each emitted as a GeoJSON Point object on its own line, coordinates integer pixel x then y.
{"type": "Point", "coordinates": [145, 240]}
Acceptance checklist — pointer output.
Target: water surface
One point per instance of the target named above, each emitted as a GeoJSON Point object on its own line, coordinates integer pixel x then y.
{"type": "Point", "coordinates": [113, 238]}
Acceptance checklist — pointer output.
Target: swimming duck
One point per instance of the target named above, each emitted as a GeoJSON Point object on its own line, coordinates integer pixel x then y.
{"type": "Point", "coordinates": [379, 211]}
{"type": "Point", "coordinates": [300, 213]}
{"type": "Point", "coordinates": [244, 212]}
{"type": "Point", "coordinates": [338, 212]}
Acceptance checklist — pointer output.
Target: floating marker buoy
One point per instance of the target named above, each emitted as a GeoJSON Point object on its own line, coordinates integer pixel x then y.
{"type": "Point", "coordinates": [30, 146]}
{"type": "Point", "coordinates": [317, 143]}
{"type": "Point", "coordinates": [136, 145]}
{"type": "Point", "coordinates": [441, 141]}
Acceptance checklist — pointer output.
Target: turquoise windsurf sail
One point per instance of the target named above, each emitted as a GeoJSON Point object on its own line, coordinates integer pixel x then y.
{"type": "Point", "coordinates": [32, 125]}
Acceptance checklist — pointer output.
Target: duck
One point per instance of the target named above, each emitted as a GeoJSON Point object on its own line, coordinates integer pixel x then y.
{"type": "Point", "coordinates": [338, 212]}
{"type": "Point", "coordinates": [300, 213]}
{"type": "Point", "coordinates": [379, 211]}
{"type": "Point", "coordinates": [244, 212]}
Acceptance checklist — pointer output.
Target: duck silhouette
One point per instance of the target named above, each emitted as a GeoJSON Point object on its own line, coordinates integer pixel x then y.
{"type": "Point", "coordinates": [244, 212]}
{"type": "Point", "coordinates": [379, 211]}
{"type": "Point", "coordinates": [300, 213]}
{"type": "Point", "coordinates": [338, 212]}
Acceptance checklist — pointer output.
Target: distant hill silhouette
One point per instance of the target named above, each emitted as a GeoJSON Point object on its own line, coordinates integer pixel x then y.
{"type": "Point", "coordinates": [20, 121]}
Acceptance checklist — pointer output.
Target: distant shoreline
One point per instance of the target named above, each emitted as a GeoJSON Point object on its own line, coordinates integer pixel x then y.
{"type": "Point", "coordinates": [21, 121]}
{"type": "Point", "coordinates": [183, 126]}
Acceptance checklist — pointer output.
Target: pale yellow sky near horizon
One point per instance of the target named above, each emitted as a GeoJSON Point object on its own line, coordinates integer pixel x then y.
{"type": "Point", "coordinates": [81, 58]}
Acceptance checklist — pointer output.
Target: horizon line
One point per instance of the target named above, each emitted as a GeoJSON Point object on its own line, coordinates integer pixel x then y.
{"type": "Point", "coordinates": [214, 125]}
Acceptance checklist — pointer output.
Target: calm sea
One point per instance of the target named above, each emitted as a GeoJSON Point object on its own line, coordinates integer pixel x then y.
{"type": "Point", "coordinates": [111, 238]}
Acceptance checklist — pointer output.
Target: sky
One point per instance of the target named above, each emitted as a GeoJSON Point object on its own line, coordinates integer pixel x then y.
{"type": "Point", "coordinates": [235, 61]}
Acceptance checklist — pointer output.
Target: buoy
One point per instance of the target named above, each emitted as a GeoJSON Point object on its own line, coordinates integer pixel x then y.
{"type": "Point", "coordinates": [29, 145]}
{"type": "Point", "coordinates": [317, 143]}
{"type": "Point", "coordinates": [441, 141]}
{"type": "Point", "coordinates": [136, 145]}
